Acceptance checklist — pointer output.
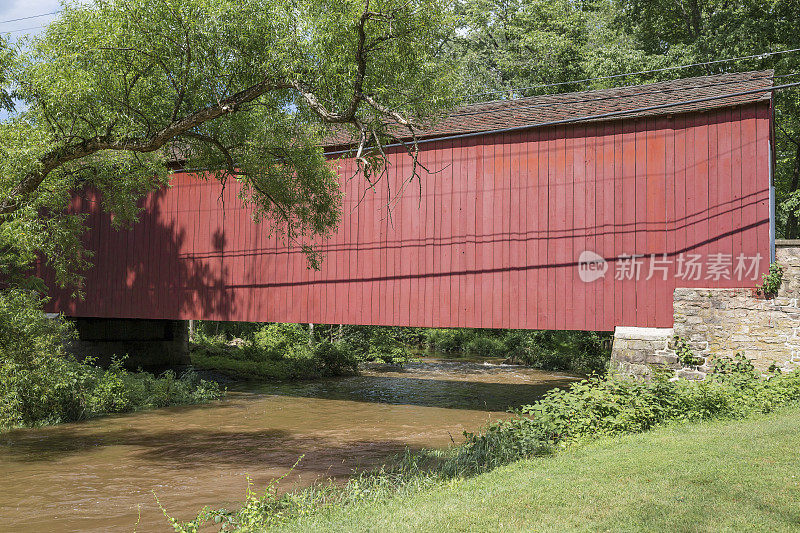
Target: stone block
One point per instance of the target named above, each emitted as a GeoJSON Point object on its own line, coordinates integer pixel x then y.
{"type": "Point", "coordinates": [687, 373]}
{"type": "Point", "coordinates": [662, 359]}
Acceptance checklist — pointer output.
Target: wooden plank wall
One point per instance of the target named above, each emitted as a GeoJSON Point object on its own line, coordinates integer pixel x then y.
{"type": "Point", "coordinates": [491, 238]}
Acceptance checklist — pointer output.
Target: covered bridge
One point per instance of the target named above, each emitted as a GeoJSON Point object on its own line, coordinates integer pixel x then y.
{"type": "Point", "coordinates": [577, 211]}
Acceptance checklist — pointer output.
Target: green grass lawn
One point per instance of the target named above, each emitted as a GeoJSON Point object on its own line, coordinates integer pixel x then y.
{"type": "Point", "coordinates": [734, 476]}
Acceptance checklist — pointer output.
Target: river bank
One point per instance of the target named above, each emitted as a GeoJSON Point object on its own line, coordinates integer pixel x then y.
{"type": "Point", "coordinates": [101, 475]}
{"type": "Point", "coordinates": [714, 476]}
{"type": "Point", "coordinates": [593, 409]}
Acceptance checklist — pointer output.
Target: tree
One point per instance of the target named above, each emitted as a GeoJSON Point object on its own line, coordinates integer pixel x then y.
{"type": "Point", "coordinates": [249, 87]}
{"type": "Point", "coordinates": [594, 38]}
{"type": "Point", "coordinates": [510, 44]}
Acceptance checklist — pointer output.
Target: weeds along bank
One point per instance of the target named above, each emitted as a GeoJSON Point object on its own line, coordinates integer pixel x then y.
{"type": "Point", "coordinates": [582, 352]}
{"type": "Point", "coordinates": [593, 408]}
{"type": "Point", "coordinates": [40, 384]}
{"type": "Point", "coordinates": [282, 352]}
{"type": "Point", "coordinates": [272, 352]}
{"type": "Point", "coordinates": [292, 351]}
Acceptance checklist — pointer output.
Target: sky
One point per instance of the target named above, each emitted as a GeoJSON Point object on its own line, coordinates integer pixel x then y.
{"type": "Point", "coordinates": [14, 9]}
{"type": "Point", "coordinates": [15, 29]}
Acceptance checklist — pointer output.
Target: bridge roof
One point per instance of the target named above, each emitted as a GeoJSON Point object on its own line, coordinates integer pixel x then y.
{"type": "Point", "coordinates": [540, 110]}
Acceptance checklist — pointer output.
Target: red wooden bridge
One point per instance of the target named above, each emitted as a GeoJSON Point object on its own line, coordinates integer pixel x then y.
{"type": "Point", "coordinates": [584, 212]}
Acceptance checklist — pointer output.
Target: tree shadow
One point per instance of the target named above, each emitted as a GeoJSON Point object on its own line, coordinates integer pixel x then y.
{"type": "Point", "coordinates": [192, 448]}
{"type": "Point", "coordinates": [150, 269]}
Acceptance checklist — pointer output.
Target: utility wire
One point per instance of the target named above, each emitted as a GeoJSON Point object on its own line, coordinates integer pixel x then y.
{"type": "Point", "coordinates": [651, 71]}
{"type": "Point", "coordinates": [30, 17]}
{"type": "Point", "coordinates": [584, 118]}
{"type": "Point", "coordinates": [22, 29]}
{"type": "Point", "coordinates": [559, 102]}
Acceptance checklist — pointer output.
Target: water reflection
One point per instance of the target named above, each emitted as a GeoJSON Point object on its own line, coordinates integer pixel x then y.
{"type": "Point", "coordinates": [434, 383]}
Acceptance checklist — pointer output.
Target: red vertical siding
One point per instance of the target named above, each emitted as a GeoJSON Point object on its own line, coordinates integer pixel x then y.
{"type": "Point", "coordinates": [490, 238]}
{"type": "Point", "coordinates": [606, 204]}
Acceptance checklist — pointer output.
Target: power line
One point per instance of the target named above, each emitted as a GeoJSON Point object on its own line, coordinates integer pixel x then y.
{"type": "Point", "coordinates": [651, 71]}
{"type": "Point", "coordinates": [22, 29]}
{"type": "Point", "coordinates": [31, 17]}
{"type": "Point", "coordinates": [530, 87]}
{"type": "Point", "coordinates": [599, 98]}
{"type": "Point", "coordinates": [612, 114]}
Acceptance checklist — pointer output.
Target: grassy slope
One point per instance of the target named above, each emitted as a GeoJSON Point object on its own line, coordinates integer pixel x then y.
{"type": "Point", "coordinates": [708, 477]}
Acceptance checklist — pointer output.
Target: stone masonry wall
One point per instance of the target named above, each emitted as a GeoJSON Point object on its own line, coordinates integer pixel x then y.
{"type": "Point", "coordinates": [637, 350]}
{"type": "Point", "coordinates": [722, 322]}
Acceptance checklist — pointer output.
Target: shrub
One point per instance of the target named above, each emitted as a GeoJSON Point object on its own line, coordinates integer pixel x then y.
{"type": "Point", "coordinates": [275, 340]}
{"type": "Point", "coordinates": [40, 384]}
{"type": "Point", "coordinates": [381, 344]}
{"type": "Point", "coordinates": [685, 354]}
{"type": "Point", "coordinates": [386, 347]}
{"type": "Point", "coordinates": [619, 405]}
{"type": "Point", "coordinates": [110, 393]}
{"type": "Point", "coordinates": [771, 281]}
{"type": "Point", "coordinates": [36, 383]}
{"type": "Point", "coordinates": [485, 347]}
{"type": "Point", "coordinates": [447, 340]}
{"type": "Point", "coordinates": [335, 358]}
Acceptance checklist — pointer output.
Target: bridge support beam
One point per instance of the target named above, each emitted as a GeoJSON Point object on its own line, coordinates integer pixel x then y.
{"type": "Point", "coordinates": [637, 350]}
{"type": "Point", "coordinates": [149, 344]}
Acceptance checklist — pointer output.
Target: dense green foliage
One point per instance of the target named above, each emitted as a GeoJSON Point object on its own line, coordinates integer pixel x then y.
{"type": "Point", "coordinates": [64, 390]}
{"type": "Point", "coordinates": [381, 344]}
{"type": "Point", "coordinates": [272, 352]}
{"type": "Point", "coordinates": [504, 45]}
{"type": "Point", "coordinates": [592, 408]}
{"type": "Point", "coordinates": [615, 406]}
{"type": "Point", "coordinates": [575, 351]}
{"type": "Point", "coordinates": [40, 384]}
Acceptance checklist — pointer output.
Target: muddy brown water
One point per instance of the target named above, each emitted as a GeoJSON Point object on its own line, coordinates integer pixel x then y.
{"type": "Point", "coordinates": [102, 475]}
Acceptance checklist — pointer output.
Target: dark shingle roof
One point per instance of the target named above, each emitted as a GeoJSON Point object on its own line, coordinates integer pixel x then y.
{"type": "Point", "coordinates": [535, 110]}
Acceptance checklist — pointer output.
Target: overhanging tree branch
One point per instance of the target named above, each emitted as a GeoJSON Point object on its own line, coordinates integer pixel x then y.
{"type": "Point", "coordinates": [62, 155]}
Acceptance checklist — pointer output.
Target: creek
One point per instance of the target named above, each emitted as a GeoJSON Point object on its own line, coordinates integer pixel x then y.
{"type": "Point", "coordinates": [102, 475]}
